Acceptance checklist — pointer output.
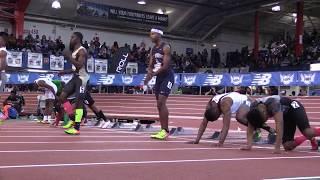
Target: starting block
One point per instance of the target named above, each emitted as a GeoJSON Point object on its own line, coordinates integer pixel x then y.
{"type": "Point", "coordinates": [270, 140]}
{"type": "Point", "coordinates": [176, 131]}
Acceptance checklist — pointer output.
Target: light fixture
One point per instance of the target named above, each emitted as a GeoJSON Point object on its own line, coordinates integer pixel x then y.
{"type": "Point", "coordinates": [214, 45]}
{"type": "Point", "coordinates": [56, 4]}
{"type": "Point", "coordinates": [276, 8]}
{"type": "Point", "coordinates": [294, 14]}
{"type": "Point", "coordinates": [160, 11]}
{"type": "Point", "coordinates": [142, 2]}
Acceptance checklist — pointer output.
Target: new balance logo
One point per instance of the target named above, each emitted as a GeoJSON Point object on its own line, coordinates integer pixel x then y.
{"type": "Point", "coordinates": [213, 80]}
{"type": "Point", "coordinates": [261, 79]}
{"type": "Point", "coordinates": [106, 79]}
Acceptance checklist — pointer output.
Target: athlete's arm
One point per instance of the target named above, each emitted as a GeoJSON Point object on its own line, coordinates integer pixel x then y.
{"type": "Point", "coordinates": [250, 130]}
{"type": "Point", "coordinates": [82, 57]}
{"type": "Point", "coordinates": [226, 111]}
{"type": "Point", "coordinates": [3, 60]}
{"type": "Point", "coordinates": [202, 129]}
{"type": "Point", "coordinates": [278, 118]}
{"type": "Point", "coordinates": [42, 83]}
{"type": "Point", "coordinates": [166, 60]}
{"type": "Point", "coordinates": [150, 68]}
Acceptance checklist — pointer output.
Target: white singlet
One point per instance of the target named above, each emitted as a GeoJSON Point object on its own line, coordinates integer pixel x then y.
{"type": "Point", "coordinates": [237, 100]}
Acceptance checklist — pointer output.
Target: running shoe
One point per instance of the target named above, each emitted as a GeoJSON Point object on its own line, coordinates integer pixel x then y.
{"type": "Point", "coordinates": [72, 131]}
{"type": "Point", "coordinates": [314, 144]}
{"type": "Point", "coordinates": [257, 135]}
{"type": "Point", "coordinates": [68, 125]}
{"type": "Point", "coordinates": [162, 135]}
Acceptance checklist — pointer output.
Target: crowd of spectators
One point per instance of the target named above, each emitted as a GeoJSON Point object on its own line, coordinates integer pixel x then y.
{"type": "Point", "coordinates": [278, 54]}
{"type": "Point", "coordinates": [45, 45]}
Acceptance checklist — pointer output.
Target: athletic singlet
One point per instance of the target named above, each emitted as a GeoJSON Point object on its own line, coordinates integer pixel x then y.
{"type": "Point", "coordinates": [58, 83]}
{"type": "Point", "coordinates": [83, 75]}
{"type": "Point", "coordinates": [237, 100]}
{"type": "Point", "coordinates": [277, 103]}
{"type": "Point", "coordinates": [157, 55]}
{"type": "Point", "coordinates": [49, 82]}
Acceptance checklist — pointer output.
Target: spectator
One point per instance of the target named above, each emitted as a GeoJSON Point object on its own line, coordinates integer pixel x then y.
{"type": "Point", "coordinates": [16, 101]}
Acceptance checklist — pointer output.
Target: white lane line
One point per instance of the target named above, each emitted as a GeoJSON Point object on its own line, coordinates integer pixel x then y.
{"type": "Point", "coordinates": [158, 162]}
{"type": "Point", "coordinates": [112, 150]}
{"type": "Point", "coordinates": [83, 142]}
{"type": "Point", "coordinates": [296, 178]}
{"type": "Point", "coordinates": [61, 132]}
{"type": "Point", "coordinates": [62, 136]}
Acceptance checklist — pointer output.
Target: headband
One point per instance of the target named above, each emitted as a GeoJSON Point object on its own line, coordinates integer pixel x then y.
{"type": "Point", "coordinates": [157, 31]}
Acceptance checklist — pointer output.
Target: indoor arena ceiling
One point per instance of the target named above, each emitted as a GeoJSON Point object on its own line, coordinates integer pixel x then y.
{"type": "Point", "coordinates": [196, 19]}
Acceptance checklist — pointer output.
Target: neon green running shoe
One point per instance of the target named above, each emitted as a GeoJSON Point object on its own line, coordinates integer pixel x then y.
{"type": "Point", "coordinates": [1, 122]}
{"type": "Point", "coordinates": [157, 132]}
{"type": "Point", "coordinates": [72, 131]}
{"type": "Point", "coordinates": [257, 135]}
{"type": "Point", "coordinates": [162, 135]}
{"type": "Point", "coordinates": [68, 125]}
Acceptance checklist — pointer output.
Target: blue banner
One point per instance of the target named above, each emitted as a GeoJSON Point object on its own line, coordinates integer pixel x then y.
{"type": "Point", "coordinates": [305, 78]}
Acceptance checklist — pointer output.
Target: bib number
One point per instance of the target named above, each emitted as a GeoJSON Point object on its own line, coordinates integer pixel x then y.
{"type": "Point", "coordinates": [169, 85]}
{"type": "Point", "coordinates": [295, 105]}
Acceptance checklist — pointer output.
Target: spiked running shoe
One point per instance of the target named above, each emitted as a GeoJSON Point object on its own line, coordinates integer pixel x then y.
{"type": "Point", "coordinates": [162, 135]}
{"type": "Point", "coordinates": [72, 131]}
{"type": "Point", "coordinates": [68, 125]}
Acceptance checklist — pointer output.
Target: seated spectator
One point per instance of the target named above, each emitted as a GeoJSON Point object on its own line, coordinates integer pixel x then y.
{"type": "Point", "coordinates": [16, 101]}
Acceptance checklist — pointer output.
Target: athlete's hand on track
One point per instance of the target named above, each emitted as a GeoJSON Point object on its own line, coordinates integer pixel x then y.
{"type": "Point", "coordinates": [245, 148]}
{"type": "Point", "coordinates": [217, 145]}
{"type": "Point", "coordinates": [192, 142]}
{"type": "Point", "coordinates": [276, 151]}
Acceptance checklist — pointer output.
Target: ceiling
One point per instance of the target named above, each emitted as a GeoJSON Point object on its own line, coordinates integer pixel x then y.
{"type": "Point", "coordinates": [195, 19]}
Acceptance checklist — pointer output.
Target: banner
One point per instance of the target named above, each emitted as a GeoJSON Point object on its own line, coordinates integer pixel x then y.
{"type": "Point", "coordinates": [101, 66]}
{"type": "Point", "coordinates": [132, 68]}
{"type": "Point", "coordinates": [201, 79]}
{"type": "Point", "coordinates": [56, 63]}
{"type": "Point", "coordinates": [34, 60]}
{"type": "Point", "coordinates": [119, 61]}
{"type": "Point", "coordinates": [90, 65]}
{"type": "Point", "coordinates": [14, 59]}
{"type": "Point", "coordinates": [121, 14]}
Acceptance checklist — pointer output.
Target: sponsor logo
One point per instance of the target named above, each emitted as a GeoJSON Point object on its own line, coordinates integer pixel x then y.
{"type": "Point", "coordinates": [307, 78]}
{"type": "Point", "coordinates": [213, 80]}
{"type": "Point", "coordinates": [262, 79]}
{"type": "Point", "coordinates": [287, 79]}
{"type": "Point", "coordinates": [236, 79]}
{"type": "Point", "coordinates": [122, 63]}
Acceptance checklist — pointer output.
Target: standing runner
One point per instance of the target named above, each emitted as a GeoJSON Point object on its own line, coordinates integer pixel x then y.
{"type": "Point", "coordinates": [77, 85]}
{"type": "Point", "coordinates": [159, 65]}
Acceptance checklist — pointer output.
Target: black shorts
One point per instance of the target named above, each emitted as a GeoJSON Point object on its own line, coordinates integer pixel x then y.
{"type": "Point", "coordinates": [75, 87]}
{"type": "Point", "coordinates": [296, 116]}
{"type": "Point", "coordinates": [164, 85]}
{"type": "Point", "coordinates": [88, 100]}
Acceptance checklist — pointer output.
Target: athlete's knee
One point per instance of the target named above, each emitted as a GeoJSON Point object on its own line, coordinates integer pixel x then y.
{"type": "Point", "coordinates": [161, 103]}
{"type": "Point", "coordinates": [62, 98]}
{"type": "Point", "coordinates": [242, 120]}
